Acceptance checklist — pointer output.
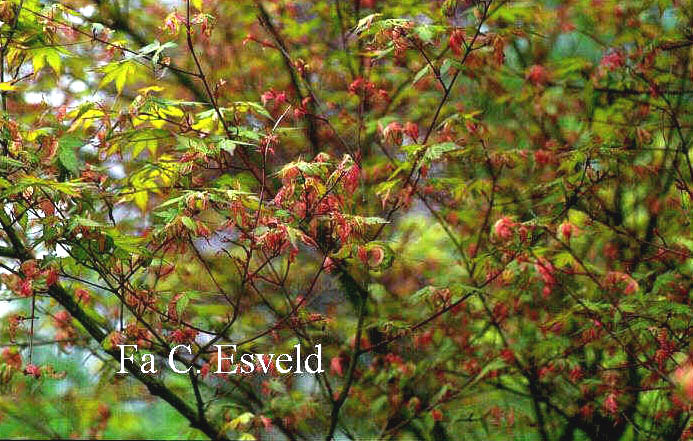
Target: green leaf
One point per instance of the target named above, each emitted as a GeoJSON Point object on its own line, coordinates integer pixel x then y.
{"type": "Point", "coordinates": [156, 48]}
{"type": "Point", "coordinates": [141, 199]}
{"type": "Point", "coordinates": [436, 151]}
{"type": "Point", "coordinates": [428, 32]}
{"type": "Point", "coordinates": [189, 223]}
{"type": "Point", "coordinates": [182, 304]}
{"type": "Point", "coordinates": [148, 138]}
{"type": "Point", "coordinates": [68, 153]}
{"type": "Point", "coordinates": [53, 58]}
{"type": "Point", "coordinates": [421, 73]}
{"type": "Point", "coordinates": [6, 162]}
{"type": "Point", "coordinates": [244, 106]}
{"type": "Point", "coordinates": [120, 73]}
{"type": "Point", "coordinates": [372, 220]}
{"type": "Point", "coordinates": [82, 221]}
{"type": "Point", "coordinates": [365, 23]}
{"type": "Point", "coordinates": [227, 145]}
{"type": "Point", "coordinates": [131, 244]}
{"type": "Point", "coordinates": [240, 420]}
{"type": "Point", "coordinates": [45, 55]}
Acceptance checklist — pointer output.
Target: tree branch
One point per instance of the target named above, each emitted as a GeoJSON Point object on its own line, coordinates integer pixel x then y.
{"type": "Point", "coordinates": [95, 330]}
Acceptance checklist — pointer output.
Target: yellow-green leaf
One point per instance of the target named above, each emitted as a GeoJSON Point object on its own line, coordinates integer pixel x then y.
{"type": "Point", "coordinates": [141, 199]}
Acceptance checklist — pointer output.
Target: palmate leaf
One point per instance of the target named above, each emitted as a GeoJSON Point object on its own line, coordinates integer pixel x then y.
{"type": "Point", "coordinates": [560, 116]}
{"type": "Point", "coordinates": [422, 295]}
{"type": "Point", "coordinates": [436, 151]}
{"type": "Point", "coordinates": [365, 23]}
{"type": "Point", "coordinates": [227, 145]}
{"type": "Point", "coordinates": [245, 106]}
{"type": "Point", "coordinates": [119, 73]}
{"type": "Point", "coordinates": [8, 163]}
{"type": "Point", "coordinates": [155, 49]}
{"type": "Point", "coordinates": [70, 188]}
{"type": "Point", "coordinates": [68, 153]}
{"type": "Point", "coordinates": [47, 55]}
{"type": "Point", "coordinates": [421, 73]}
{"type": "Point", "coordinates": [84, 116]}
{"type": "Point", "coordinates": [84, 222]}
{"type": "Point", "coordinates": [130, 244]}
{"type": "Point", "coordinates": [172, 201]}
{"type": "Point", "coordinates": [189, 223]}
{"type": "Point", "coordinates": [146, 139]}
{"type": "Point", "coordinates": [184, 301]}
{"type": "Point", "coordinates": [146, 180]}
{"type": "Point", "coordinates": [307, 168]}
{"type": "Point", "coordinates": [373, 23]}
{"type": "Point", "coordinates": [369, 220]}
{"type": "Point", "coordinates": [432, 152]}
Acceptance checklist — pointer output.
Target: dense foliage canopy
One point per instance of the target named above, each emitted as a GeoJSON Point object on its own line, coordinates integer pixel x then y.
{"type": "Point", "coordinates": [480, 209]}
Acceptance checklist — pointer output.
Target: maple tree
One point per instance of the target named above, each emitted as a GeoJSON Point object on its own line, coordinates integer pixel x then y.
{"type": "Point", "coordinates": [480, 209]}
